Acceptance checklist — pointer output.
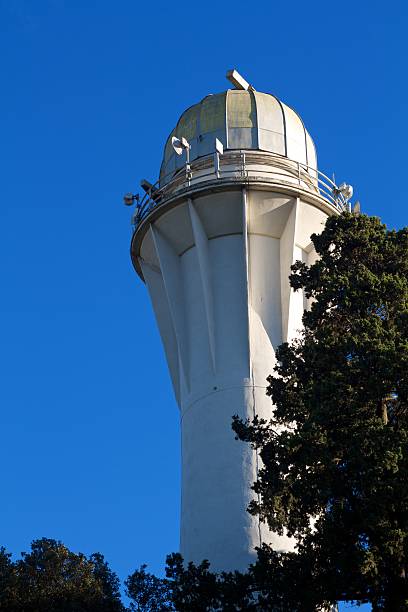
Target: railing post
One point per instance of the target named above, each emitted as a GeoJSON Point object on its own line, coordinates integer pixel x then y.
{"type": "Point", "coordinates": [243, 167]}
{"type": "Point", "coordinates": [189, 174]}
{"type": "Point", "coordinates": [217, 164]}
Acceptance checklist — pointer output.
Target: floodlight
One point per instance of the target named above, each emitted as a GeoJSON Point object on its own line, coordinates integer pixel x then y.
{"type": "Point", "coordinates": [238, 81]}
{"type": "Point", "coordinates": [147, 186]}
{"type": "Point", "coordinates": [180, 144]}
{"type": "Point", "coordinates": [346, 191]}
{"type": "Point", "coordinates": [129, 198]}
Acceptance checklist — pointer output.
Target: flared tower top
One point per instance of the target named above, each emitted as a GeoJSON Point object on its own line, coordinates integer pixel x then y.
{"type": "Point", "coordinates": [241, 120]}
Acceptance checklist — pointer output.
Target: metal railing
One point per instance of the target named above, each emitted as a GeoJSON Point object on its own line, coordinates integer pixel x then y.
{"type": "Point", "coordinates": [242, 167]}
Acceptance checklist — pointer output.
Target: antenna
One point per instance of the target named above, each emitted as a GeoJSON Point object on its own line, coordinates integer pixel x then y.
{"type": "Point", "coordinates": [236, 79]}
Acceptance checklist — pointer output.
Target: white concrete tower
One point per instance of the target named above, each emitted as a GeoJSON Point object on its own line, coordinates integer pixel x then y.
{"type": "Point", "coordinates": [214, 241]}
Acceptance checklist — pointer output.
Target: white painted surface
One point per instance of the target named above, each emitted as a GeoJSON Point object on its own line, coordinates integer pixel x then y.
{"type": "Point", "coordinates": [222, 298]}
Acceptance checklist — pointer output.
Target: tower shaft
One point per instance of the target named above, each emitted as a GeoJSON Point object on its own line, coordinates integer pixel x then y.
{"type": "Point", "coordinates": [217, 265]}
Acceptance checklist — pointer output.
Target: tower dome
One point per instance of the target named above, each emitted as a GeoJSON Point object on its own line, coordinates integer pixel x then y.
{"type": "Point", "coordinates": [240, 120]}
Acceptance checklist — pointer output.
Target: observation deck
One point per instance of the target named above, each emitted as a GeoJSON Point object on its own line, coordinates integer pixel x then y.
{"type": "Point", "coordinates": [259, 170]}
{"type": "Point", "coordinates": [237, 139]}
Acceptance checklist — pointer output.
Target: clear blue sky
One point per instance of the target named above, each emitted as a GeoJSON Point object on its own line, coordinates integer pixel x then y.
{"type": "Point", "coordinates": [90, 90]}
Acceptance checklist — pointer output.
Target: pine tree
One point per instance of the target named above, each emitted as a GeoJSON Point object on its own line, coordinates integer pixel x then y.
{"type": "Point", "coordinates": [335, 450]}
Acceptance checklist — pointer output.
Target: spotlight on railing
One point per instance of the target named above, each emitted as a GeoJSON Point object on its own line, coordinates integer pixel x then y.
{"type": "Point", "coordinates": [130, 198]}
{"type": "Point", "coordinates": [147, 186]}
{"type": "Point", "coordinates": [180, 145]}
{"type": "Point", "coordinates": [346, 191]}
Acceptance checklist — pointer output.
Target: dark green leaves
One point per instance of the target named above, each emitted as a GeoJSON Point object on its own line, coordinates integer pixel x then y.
{"type": "Point", "coordinates": [341, 407]}
{"type": "Point", "coordinates": [51, 578]}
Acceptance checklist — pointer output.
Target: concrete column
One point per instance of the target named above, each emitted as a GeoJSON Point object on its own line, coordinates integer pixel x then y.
{"type": "Point", "coordinates": [217, 270]}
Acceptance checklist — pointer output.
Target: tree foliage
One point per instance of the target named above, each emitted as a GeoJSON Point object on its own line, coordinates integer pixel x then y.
{"type": "Point", "coordinates": [190, 587]}
{"type": "Point", "coordinates": [334, 459]}
{"type": "Point", "coordinates": [335, 451]}
{"type": "Point", "coordinates": [51, 578]}
{"type": "Point", "coordinates": [148, 592]}
{"type": "Point", "coordinates": [278, 582]}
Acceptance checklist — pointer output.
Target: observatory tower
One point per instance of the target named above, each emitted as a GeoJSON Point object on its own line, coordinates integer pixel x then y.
{"type": "Point", "coordinates": [238, 197]}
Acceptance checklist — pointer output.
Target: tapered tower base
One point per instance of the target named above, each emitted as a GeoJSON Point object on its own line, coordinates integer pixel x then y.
{"type": "Point", "coordinates": [217, 267]}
